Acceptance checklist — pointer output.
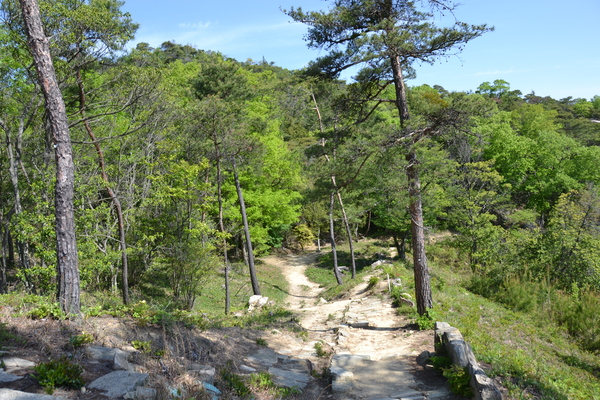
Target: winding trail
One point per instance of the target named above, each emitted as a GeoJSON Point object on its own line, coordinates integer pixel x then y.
{"type": "Point", "coordinates": [373, 351]}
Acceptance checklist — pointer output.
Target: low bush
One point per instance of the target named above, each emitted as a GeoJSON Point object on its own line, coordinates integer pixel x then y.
{"type": "Point", "coordinates": [59, 373]}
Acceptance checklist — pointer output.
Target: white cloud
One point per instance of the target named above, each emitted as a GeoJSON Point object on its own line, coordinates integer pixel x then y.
{"type": "Point", "coordinates": [195, 26]}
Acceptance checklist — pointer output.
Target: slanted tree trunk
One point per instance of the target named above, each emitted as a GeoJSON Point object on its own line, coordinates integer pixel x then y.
{"type": "Point", "coordinates": [109, 190]}
{"type": "Point", "coordinates": [66, 245]}
{"type": "Point", "coordinates": [348, 231]}
{"type": "Point", "coordinates": [250, 255]}
{"type": "Point", "coordinates": [336, 270]}
{"type": "Point", "coordinates": [339, 195]}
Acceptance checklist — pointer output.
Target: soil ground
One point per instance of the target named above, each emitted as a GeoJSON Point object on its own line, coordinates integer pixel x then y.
{"type": "Point", "coordinates": [389, 337]}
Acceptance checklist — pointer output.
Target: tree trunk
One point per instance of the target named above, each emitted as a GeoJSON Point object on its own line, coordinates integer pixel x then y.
{"type": "Point", "coordinates": [222, 229]}
{"type": "Point", "coordinates": [66, 245]}
{"type": "Point", "coordinates": [400, 245]}
{"type": "Point", "coordinates": [238, 187]}
{"type": "Point", "coordinates": [13, 149]}
{"type": "Point", "coordinates": [421, 271]}
{"type": "Point", "coordinates": [348, 231]}
{"type": "Point", "coordinates": [401, 102]}
{"type": "Point", "coordinates": [109, 190]}
{"type": "Point", "coordinates": [336, 270]}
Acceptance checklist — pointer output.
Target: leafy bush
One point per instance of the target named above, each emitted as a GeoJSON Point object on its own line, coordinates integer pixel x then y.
{"type": "Point", "coordinates": [373, 281]}
{"type": "Point", "coordinates": [235, 383]}
{"type": "Point", "coordinates": [458, 378]}
{"type": "Point", "coordinates": [580, 317]}
{"type": "Point", "coordinates": [427, 321]}
{"type": "Point", "coordinates": [321, 352]}
{"type": "Point", "coordinates": [80, 340]}
{"type": "Point", "coordinates": [59, 373]}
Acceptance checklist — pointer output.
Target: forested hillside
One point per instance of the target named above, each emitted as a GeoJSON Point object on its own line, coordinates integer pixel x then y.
{"type": "Point", "coordinates": [188, 162]}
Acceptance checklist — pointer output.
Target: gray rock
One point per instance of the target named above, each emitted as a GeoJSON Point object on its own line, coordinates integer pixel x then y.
{"type": "Point", "coordinates": [142, 393]}
{"type": "Point", "coordinates": [257, 301]}
{"type": "Point", "coordinates": [205, 373]}
{"type": "Point", "coordinates": [349, 360]}
{"type": "Point", "coordinates": [121, 361]}
{"type": "Point", "coordinates": [263, 356]}
{"type": "Point", "coordinates": [99, 353]}
{"type": "Point", "coordinates": [9, 394]}
{"type": "Point", "coordinates": [5, 377]}
{"type": "Point", "coordinates": [14, 364]}
{"type": "Point", "coordinates": [341, 374]}
{"type": "Point", "coordinates": [118, 383]}
{"type": "Point", "coordinates": [407, 394]}
{"type": "Point", "coordinates": [290, 379]}
{"type": "Point", "coordinates": [245, 368]}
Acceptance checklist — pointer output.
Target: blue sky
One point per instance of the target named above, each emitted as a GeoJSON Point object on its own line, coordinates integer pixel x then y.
{"type": "Point", "coordinates": [550, 47]}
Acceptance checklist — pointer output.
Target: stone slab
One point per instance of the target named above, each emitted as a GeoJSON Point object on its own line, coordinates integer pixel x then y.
{"type": "Point", "coordinates": [13, 364]}
{"type": "Point", "coordinates": [286, 378]}
{"type": "Point", "coordinates": [264, 356]}
{"type": "Point", "coordinates": [5, 377]}
{"type": "Point", "coordinates": [9, 394]}
{"type": "Point", "coordinates": [119, 383]}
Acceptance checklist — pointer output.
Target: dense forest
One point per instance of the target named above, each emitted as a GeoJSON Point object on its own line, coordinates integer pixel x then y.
{"type": "Point", "coordinates": [186, 161]}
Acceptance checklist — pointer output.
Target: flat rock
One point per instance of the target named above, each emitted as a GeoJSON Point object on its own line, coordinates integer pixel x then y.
{"type": "Point", "coordinates": [349, 360]}
{"type": "Point", "coordinates": [119, 383]}
{"type": "Point", "coordinates": [9, 394]}
{"type": "Point", "coordinates": [5, 377]}
{"type": "Point", "coordinates": [288, 378]}
{"type": "Point", "coordinates": [13, 364]}
{"type": "Point", "coordinates": [263, 356]}
{"type": "Point", "coordinates": [99, 353]}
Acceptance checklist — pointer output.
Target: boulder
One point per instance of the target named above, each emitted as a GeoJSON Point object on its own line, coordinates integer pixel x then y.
{"type": "Point", "coordinates": [119, 383]}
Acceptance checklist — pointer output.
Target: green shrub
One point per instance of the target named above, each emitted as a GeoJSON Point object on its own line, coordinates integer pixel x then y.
{"type": "Point", "coordinates": [142, 346]}
{"type": "Point", "coordinates": [458, 379]}
{"type": "Point", "coordinates": [321, 352]}
{"type": "Point", "coordinates": [80, 340]}
{"type": "Point", "coordinates": [580, 317]}
{"type": "Point", "coordinates": [373, 281]}
{"type": "Point", "coordinates": [235, 383]}
{"type": "Point", "coordinates": [426, 321]}
{"type": "Point", "coordinates": [440, 362]}
{"type": "Point", "coordinates": [59, 373]}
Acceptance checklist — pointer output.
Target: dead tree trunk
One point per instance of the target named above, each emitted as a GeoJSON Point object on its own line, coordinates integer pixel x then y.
{"type": "Point", "coordinates": [238, 187]}
{"type": "Point", "coordinates": [66, 245]}
{"type": "Point", "coordinates": [336, 270]}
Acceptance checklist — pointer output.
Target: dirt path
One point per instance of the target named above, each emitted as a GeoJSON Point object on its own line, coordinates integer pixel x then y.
{"type": "Point", "coordinates": [373, 350]}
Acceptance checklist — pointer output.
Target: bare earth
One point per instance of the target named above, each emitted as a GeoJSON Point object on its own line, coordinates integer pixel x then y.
{"type": "Point", "coordinates": [380, 359]}
{"type": "Point", "coordinates": [381, 356]}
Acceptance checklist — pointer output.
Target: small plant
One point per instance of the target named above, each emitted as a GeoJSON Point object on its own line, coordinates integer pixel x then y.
{"type": "Point", "coordinates": [303, 335]}
{"type": "Point", "coordinates": [440, 362]}
{"type": "Point", "coordinates": [426, 321]}
{"type": "Point", "coordinates": [235, 383]}
{"type": "Point", "coordinates": [321, 352]}
{"type": "Point", "coordinates": [142, 346]}
{"type": "Point", "coordinates": [458, 378]}
{"type": "Point", "coordinates": [264, 381]}
{"type": "Point", "coordinates": [373, 281]}
{"type": "Point", "coordinates": [45, 310]}
{"type": "Point", "coordinates": [59, 373]}
{"type": "Point", "coordinates": [80, 340]}
{"type": "Point", "coordinates": [261, 342]}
